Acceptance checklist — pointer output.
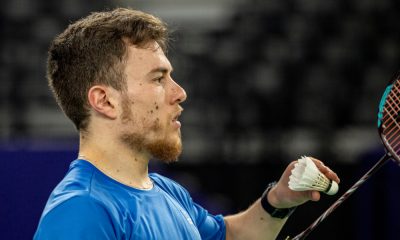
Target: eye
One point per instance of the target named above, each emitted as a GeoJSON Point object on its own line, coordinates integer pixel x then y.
{"type": "Point", "coordinates": [159, 79]}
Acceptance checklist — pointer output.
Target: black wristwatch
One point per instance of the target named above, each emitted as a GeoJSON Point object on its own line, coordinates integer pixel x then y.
{"type": "Point", "coordinates": [274, 212]}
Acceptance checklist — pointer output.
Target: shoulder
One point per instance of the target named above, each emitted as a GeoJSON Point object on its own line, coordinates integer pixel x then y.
{"type": "Point", "coordinates": [78, 216]}
{"type": "Point", "coordinates": [166, 183]}
{"type": "Point", "coordinates": [81, 191]}
{"type": "Point", "coordinates": [209, 226]}
{"type": "Point", "coordinates": [83, 201]}
{"type": "Point", "coordinates": [160, 179]}
{"type": "Point", "coordinates": [75, 185]}
{"type": "Point", "coordinates": [79, 204]}
{"type": "Point", "coordinates": [171, 187]}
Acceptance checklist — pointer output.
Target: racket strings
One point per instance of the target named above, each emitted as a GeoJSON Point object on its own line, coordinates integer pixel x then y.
{"type": "Point", "coordinates": [390, 104]}
{"type": "Point", "coordinates": [389, 134]}
{"type": "Point", "coordinates": [391, 126]}
{"type": "Point", "coordinates": [393, 105]}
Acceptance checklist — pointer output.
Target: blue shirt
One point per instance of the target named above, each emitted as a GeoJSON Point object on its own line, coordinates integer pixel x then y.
{"type": "Point", "coordinates": [87, 204]}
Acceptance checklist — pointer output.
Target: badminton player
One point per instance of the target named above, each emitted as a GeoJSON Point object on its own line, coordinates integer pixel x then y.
{"type": "Point", "coordinates": [111, 77]}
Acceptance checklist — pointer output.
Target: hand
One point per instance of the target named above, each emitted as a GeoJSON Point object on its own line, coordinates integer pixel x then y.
{"type": "Point", "coordinates": [281, 196]}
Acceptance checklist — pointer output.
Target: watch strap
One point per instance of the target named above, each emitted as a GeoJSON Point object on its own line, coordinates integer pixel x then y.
{"type": "Point", "coordinates": [274, 212]}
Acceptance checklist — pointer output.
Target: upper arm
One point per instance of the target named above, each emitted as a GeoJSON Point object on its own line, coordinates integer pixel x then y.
{"type": "Point", "coordinates": [210, 226]}
{"type": "Point", "coordinates": [76, 218]}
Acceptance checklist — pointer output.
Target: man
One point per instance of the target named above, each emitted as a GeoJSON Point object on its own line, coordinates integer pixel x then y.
{"type": "Point", "coordinates": [110, 75]}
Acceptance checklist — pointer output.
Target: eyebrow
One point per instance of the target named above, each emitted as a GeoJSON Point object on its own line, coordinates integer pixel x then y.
{"type": "Point", "coordinates": [162, 70]}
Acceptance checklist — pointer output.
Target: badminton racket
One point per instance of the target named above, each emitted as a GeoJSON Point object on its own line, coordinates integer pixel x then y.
{"type": "Point", "coordinates": [389, 131]}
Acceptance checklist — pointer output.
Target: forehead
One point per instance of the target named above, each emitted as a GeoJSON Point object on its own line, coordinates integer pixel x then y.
{"type": "Point", "coordinates": [144, 59]}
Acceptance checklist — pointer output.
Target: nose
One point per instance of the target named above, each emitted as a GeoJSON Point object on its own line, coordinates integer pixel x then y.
{"type": "Point", "coordinates": [178, 93]}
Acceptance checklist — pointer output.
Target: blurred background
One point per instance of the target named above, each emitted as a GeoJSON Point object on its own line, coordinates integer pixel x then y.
{"type": "Point", "coordinates": [267, 81]}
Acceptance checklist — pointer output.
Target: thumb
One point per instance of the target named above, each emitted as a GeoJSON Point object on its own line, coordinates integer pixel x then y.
{"type": "Point", "coordinates": [315, 196]}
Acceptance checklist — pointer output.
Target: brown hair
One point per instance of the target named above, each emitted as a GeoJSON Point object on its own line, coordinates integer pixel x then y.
{"type": "Point", "coordinates": [92, 51]}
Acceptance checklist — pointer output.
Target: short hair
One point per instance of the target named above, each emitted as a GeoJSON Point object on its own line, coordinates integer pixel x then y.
{"type": "Point", "coordinates": [93, 51]}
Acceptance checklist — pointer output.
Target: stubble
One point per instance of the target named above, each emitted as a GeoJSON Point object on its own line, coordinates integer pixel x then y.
{"type": "Point", "coordinates": [151, 138]}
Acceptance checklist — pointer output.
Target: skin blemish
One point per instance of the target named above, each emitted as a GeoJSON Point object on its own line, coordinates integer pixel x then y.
{"type": "Point", "coordinates": [156, 125]}
{"type": "Point", "coordinates": [156, 107]}
{"type": "Point", "coordinates": [135, 159]}
{"type": "Point", "coordinates": [118, 170]}
{"type": "Point", "coordinates": [262, 219]}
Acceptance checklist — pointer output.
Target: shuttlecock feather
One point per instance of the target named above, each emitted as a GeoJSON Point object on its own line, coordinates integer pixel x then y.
{"type": "Point", "coordinates": [306, 176]}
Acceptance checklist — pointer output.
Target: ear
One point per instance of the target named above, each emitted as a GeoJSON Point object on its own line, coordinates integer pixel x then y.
{"type": "Point", "coordinates": [101, 99]}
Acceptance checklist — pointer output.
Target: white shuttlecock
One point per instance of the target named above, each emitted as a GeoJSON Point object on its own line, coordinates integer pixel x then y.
{"type": "Point", "coordinates": [306, 176]}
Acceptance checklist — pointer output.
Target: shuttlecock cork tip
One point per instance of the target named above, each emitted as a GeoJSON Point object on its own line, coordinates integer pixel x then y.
{"type": "Point", "coordinates": [333, 188]}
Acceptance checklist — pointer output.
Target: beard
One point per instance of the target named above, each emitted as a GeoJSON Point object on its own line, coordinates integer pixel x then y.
{"type": "Point", "coordinates": [151, 139]}
{"type": "Point", "coordinates": [164, 149]}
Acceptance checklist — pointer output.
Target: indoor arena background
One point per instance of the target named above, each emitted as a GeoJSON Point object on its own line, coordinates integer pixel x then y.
{"type": "Point", "coordinates": [267, 81]}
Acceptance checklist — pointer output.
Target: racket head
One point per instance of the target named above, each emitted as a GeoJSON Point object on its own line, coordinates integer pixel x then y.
{"type": "Point", "coordinates": [389, 118]}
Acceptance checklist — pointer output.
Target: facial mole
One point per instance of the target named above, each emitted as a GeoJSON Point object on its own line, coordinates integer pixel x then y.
{"type": "Point", "coordinates": [117, 170]}
{"type": "Point", "coordinates": [135, 159]}
{"type": "Point", "coordinates": [157, 107]}
{"type": "Point", "coordinates": [261, 218]}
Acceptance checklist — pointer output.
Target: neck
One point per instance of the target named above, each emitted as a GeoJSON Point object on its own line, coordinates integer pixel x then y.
{"type": "Point", "coordinates": [117, 161]}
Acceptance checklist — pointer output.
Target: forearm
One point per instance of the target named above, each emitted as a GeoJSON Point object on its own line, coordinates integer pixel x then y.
{"type": "Point", "coordinates": [257, 223]}
{"type": "Point", "coordinates": [254, 223]}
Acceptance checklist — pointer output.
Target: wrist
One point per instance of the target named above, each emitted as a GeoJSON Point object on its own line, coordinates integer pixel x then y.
{"type": "Point", "coordinates": [274, 212]}
{"type": "Point", "coordinates": [271, 196]}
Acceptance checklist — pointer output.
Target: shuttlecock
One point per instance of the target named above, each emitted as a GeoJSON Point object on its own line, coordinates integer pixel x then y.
{"type": "Point", "coordinates": [306, 176]}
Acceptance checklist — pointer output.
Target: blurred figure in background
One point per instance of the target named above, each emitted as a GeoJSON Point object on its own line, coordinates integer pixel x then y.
{"type": "Point", "coordinates": [111, 77]}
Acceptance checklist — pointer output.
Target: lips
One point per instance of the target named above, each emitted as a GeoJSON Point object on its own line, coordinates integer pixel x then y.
{"type": "Point", "coordinates": [175, 120]}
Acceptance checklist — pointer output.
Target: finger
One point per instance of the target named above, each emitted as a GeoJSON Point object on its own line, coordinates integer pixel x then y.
{"type": "Point", "coordinates": [326, 170]}
{"type": "Point", "coordinates": [315, 196]}
{"type": "Point", "coordinates": [289, 169]}
{"type": "Point", "coordinates": [332, 175]}
{"type": "Point", "coordinates": [291, 165]}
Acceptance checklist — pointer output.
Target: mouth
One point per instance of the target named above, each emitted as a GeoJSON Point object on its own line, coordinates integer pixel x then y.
{"type": "Point", "coordinates": [175, 121]}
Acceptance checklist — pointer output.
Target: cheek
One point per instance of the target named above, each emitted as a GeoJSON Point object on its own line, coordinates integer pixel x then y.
{"type": "Point", "coordinates": [152, 116]}
{"type": "Point", "coordinates": [148, 106]}
{"type": "Point", "coordinates": [153, 110]}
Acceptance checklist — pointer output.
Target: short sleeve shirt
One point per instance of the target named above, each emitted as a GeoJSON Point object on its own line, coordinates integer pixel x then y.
{"type": "Point", "coordinates": [88, 204]}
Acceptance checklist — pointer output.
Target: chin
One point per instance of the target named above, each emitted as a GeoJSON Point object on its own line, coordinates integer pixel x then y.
{"type": "Point", "coordinates": [166, 151]}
